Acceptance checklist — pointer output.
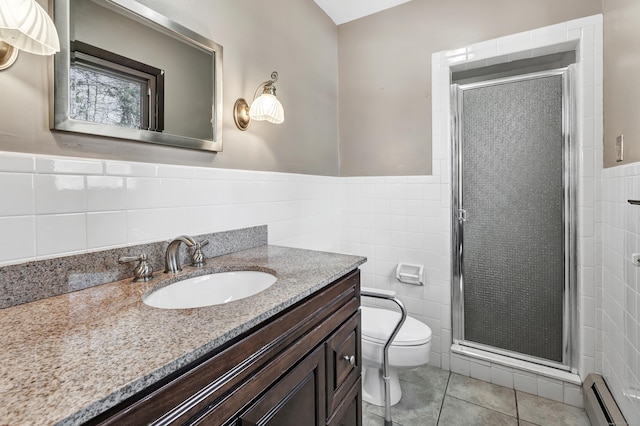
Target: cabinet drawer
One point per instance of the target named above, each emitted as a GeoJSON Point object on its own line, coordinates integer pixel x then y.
{"type": "Point", "coordinates": [343, 361]}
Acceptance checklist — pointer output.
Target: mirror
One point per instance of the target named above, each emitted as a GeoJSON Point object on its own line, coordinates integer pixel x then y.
{"type": "Point", "coordinates": [125, 71]}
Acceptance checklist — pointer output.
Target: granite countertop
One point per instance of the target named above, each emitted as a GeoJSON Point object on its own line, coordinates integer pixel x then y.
{"type": "Point", "coordinates": [67, 358]}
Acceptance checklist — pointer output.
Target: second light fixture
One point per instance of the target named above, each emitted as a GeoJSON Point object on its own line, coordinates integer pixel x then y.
{"type": "Point", "coordinates": [265, 107]}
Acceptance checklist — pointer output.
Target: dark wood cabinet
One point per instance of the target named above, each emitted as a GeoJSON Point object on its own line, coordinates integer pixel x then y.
{"type": "Point", "coordinates": [296, 399]}
{"type": "Point", "coordinates": [343, 361]}
{"type": "Point", "coordinates": [301, 367]}
{"type": "Point", "coordinates": [349, 411]}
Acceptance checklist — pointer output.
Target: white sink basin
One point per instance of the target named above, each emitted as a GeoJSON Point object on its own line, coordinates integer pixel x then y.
{"type": "Point", "coordinates": [208, 290]}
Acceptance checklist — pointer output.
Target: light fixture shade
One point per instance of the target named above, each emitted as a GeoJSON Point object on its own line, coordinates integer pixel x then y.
{"type": "Point", "coordinates": [24, 24]}
{"type": "Point", "coordinates": [267, 108]}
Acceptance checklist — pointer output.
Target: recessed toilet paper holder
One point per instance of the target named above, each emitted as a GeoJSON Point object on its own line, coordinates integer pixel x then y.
{"type": "Point", "coordinates": [409, 273]}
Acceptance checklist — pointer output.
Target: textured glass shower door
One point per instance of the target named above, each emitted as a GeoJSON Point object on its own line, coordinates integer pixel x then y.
{"type": "Point", "coordinates": [512, 221]}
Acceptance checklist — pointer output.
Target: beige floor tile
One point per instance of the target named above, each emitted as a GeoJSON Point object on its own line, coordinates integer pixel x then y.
{"type": "Point", "coordinates": [456, 412]}
{"type": "Point", "coordinates": [488, 395]}
{"type": "Point", "coordinates": [427, 375]}
{"type": "Point", "coordinates": [370, 419]}
{"type": "Point", "coordinates": [434, 397]}
{"type": "Point", "coordinates": [543, 412]}
{"type": "Point", "coordinates": [418, 406]}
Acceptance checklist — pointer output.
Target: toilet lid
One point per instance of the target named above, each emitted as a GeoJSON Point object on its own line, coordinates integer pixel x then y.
{"type": "Point", "coordinates": [378, 324]}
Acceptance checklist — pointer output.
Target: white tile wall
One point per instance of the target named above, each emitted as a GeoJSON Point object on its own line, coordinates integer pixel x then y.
{"type": "Point", "coordinates": [53, 206]}
{"type": "Point", "coordinates": [402, 219]}
{"type": "Point", "coordinates": [618, 298]}
{"type": "Point", "coordinates": [525, 382]}
{"type": "Point", "coordinates": [18, 233]}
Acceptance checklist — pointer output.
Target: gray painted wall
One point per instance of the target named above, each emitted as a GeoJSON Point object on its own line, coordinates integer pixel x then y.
{"type": "Point", "coordinates": [293, 37]}
{"type": "Point", "coordinates": [621, 83]}
{"type": "Point", "coordinates": [385, 72]}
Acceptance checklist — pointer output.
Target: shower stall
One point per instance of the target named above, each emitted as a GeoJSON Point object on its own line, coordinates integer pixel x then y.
{"type": "Point", "coordinates": [514, 251]}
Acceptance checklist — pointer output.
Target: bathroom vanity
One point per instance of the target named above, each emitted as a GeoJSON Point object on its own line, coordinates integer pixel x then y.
{"type": "Point", "coordinates": [287, 355]}
{"type": "Point", "coordinates": [301, 367]}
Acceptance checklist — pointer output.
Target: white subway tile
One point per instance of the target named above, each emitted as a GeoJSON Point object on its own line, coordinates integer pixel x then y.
{"type": "Point", "coordinates": [170, 171]}
{"type": "Point", "coordinates": [17, 194]}
{"type": "Point", "coordinates": [588, 309]}
{"type": "Point", "coordinates": [445, 316]}
{"type": "Point", "coordinates": [460, 365]}
{"type": "Point", "coordinates": [480, 370]}
{"type": "Point", "coordinates": [414, 241]}
{"type": "Point", "coordinates": [174, 192]}
{"type": "Point", "coordinates": [517, 56]}
{"type": "Point", "coordinates": [588, 71]}
{"type": "Point", "coordinates": [550, 389]}
{"type": "Point", "coordinates": [368, 190]}
{"type": "Point", "coordinates": [588, 101]}
{"type": "Point", "coordinates": [60, 234]}
{"type": "Point", "coordinates": [431, 309]}
{"type": "Point", "coordinates": [105, 229]}
{"type": "Point", "coordinates": [105, 193]}
{"type": "Point", "coordinates": [415, 191]}
{"type": "Point", "coordinates": [14, 162]}
{"type": "Point", "coordinates": [59, 194]}
{"type": "Point", "coordinates": [18, 233]}
{"type": "Point", "coordinates": [221, 174]}
{"type": "Point", "coordinates": [525, 382]}
{"type": "Point", "coordinates": [432, 192]}
{"type": "Point", "coordinates": [153, 224]}
{"type": "Point", "coordinates": [144, 193]}
{"type": "Point", "coordinates": [414, 224]}
{"type": "Point", "coordinates": [118, 168]}
{"type": "Point", "coordinates": [502, 376]}
{"type": "Point", "coordinates": [62, 165]}
{"type": "Point", "coordinates": [514, 43]}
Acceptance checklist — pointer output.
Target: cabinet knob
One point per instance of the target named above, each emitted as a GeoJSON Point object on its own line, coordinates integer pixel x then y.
{"type": "Point", "coordinates": [350, 359]}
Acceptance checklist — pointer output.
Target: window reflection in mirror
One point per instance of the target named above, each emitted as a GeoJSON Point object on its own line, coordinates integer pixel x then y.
{"type": "Point", "coordinates": [107, 88]}
{"type": "Point", "coordinates": [126, 71]}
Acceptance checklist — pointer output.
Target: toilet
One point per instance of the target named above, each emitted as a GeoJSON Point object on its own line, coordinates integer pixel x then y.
{"type": "Point", "coordinates": [410, 349]}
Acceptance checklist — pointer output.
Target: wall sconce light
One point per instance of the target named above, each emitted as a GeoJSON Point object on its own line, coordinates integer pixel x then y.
{"type": "Point", "coordinates": [266, 107]}
{"type": "Point", "coordinates": [25, 25]}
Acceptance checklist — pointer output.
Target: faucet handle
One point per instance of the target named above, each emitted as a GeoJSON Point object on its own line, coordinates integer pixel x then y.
{"type": "Point", "coordinates": [143, 270]}
{"type": "Point", "coordinates": [197, 258]}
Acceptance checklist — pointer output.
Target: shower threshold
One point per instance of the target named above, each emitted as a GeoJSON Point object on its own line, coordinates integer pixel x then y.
{"type": "Point", "coordinates": [560, 372]}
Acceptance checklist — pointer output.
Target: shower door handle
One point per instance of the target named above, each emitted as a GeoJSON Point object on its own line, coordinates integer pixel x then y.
{"type": "Point", "coordinates": [462, 215]}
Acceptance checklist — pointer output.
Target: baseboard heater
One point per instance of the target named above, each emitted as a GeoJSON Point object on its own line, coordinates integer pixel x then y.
{"type": "Point", "coordinates": [599, 404]}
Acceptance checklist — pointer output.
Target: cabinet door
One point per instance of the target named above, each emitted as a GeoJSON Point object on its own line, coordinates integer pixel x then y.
{"type": "Point", "coordinates": [297, 399]}
{"type": "Point", "coordinates": [349, 411]}
{"type": "Point", "coordinates": [343, 361]}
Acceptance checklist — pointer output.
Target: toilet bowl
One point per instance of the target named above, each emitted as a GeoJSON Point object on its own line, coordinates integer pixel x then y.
{"type": "Point", "coordinates": [409, 349]}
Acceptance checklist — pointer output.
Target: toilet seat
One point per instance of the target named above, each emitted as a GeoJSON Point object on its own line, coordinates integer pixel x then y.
{"type": "Point", "coordinates": [378, 324]}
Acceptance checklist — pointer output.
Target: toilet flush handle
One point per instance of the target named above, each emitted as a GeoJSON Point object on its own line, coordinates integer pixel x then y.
{"type": "Point", "coordinates": [350, 359]}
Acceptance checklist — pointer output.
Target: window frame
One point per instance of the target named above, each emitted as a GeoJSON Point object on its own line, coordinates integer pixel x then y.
{"type": "Point", "coordinates": [91, 57]}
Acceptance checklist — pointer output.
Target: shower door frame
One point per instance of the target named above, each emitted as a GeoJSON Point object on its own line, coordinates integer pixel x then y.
{"type": "Point", "coordinates": [569, 172]}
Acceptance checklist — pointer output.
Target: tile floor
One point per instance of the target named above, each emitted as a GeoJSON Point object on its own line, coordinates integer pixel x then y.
{"type": "Point", "coordinates": [434, 397]}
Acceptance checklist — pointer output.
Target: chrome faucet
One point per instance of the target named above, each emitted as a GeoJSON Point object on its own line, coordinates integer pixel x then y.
{"type": "Point", "coordinates": [172, 256]}
{"type": "Point", "coordinates": [143, 270]}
